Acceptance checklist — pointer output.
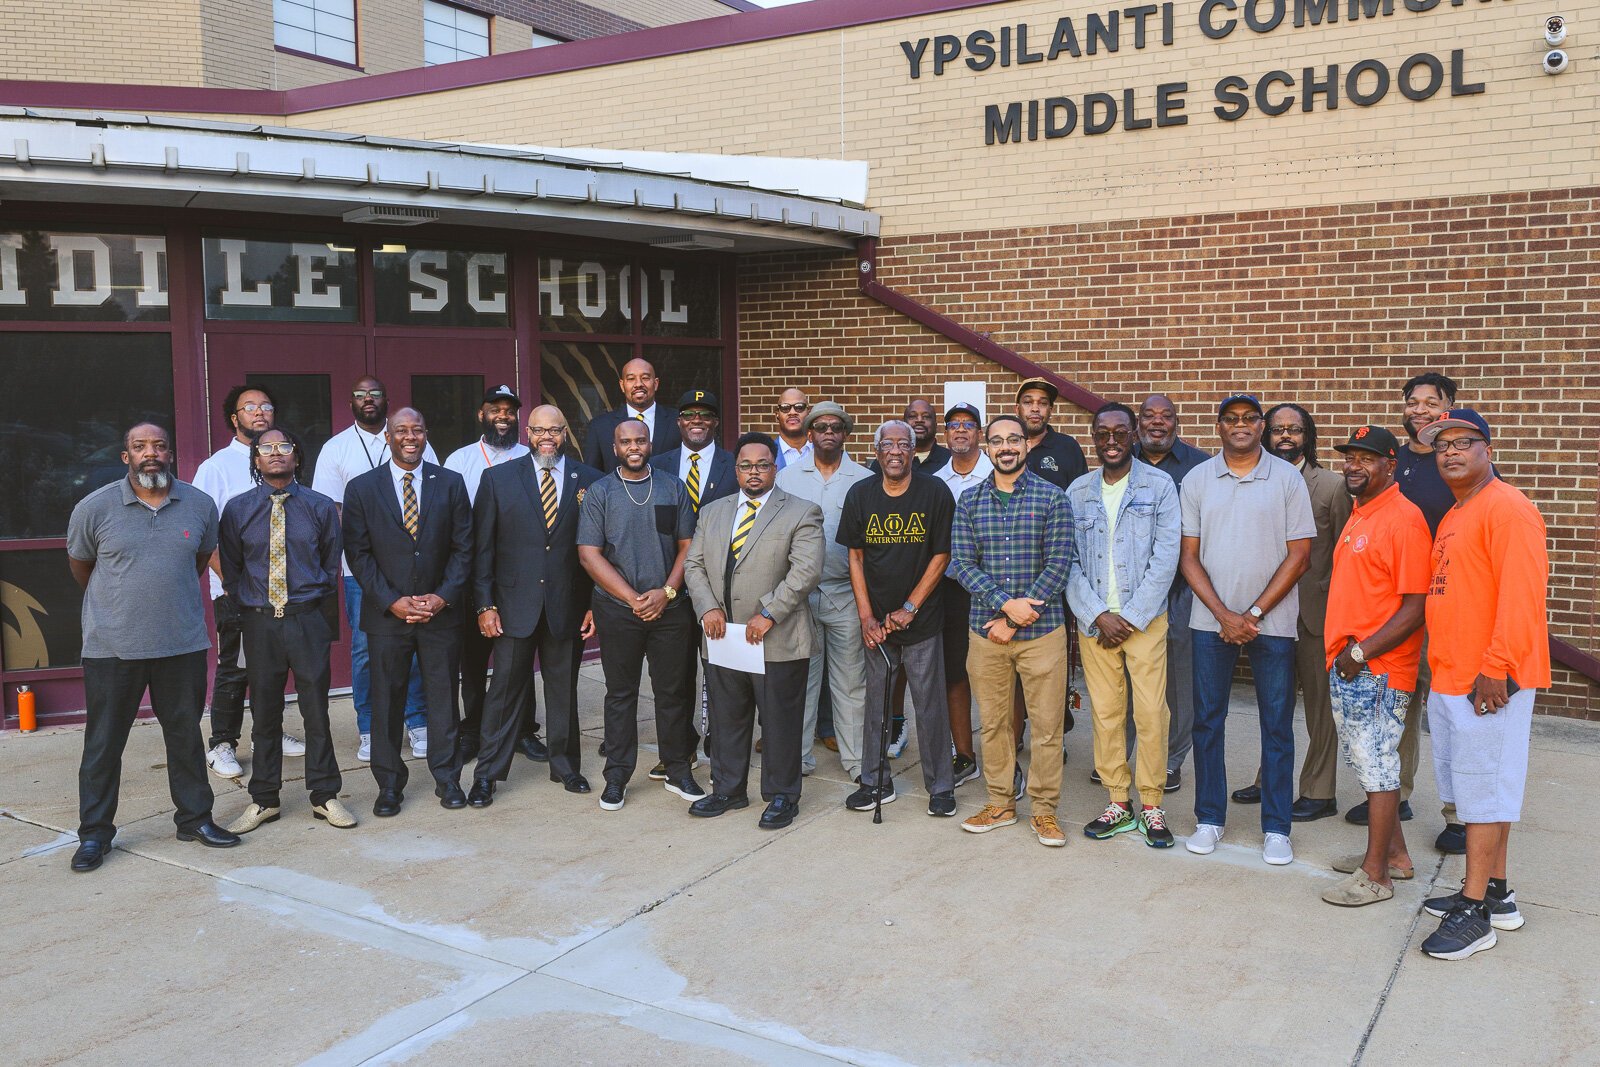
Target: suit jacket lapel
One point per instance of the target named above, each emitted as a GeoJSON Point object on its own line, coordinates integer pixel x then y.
{"type": "Point", "coordinates": [389, 491]}
{"type": "Point", "coordinates": [427, 488]}
{"type": "Point", "coordinates": [569, 498]}
{"type": "Point", "coordinates": [528, 478]}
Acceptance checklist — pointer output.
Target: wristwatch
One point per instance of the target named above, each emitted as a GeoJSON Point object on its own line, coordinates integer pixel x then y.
{"type": "Point", "coordinates": [765, 614]}
{"type": "Point", "coordinates": [491, 607]}
{"type": "Point", "coordinates": [1356, 653]}
{"type": "Point", "coordinates": [672, 594]}
{"type": "Point", "coordinates": [1255, 613]}
{"type": "Point", "coordinates": [908, 606]}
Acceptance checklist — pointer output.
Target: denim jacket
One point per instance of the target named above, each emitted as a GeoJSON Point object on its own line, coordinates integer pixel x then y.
{"type": "Point", "coordinates": [1149, 530]}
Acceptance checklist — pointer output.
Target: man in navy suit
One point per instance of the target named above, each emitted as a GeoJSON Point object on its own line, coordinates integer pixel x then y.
{"type": "Point", "coordinates": [639, 384]}
{"type": "Point", "coordinates": [408, 539]}
{"type": "Point", "coordinates": [706, 470]}
{"type": "Point", "coordinates": [532, 598]}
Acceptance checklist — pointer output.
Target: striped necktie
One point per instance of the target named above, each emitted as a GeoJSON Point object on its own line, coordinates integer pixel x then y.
{"type": "Point", "coordinates": [742, 531]}
{"type": "Point", "coordinates": [693, 484]}
{"type": "Point", "coordinates": [408, 505]}
{"type": "Point", "coordinates": [547, 497]}
{"type": "Point", "coordinates": [278, 556]}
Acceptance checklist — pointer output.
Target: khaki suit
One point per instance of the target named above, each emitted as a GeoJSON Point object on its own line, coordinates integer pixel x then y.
{"type": "Point", "coordinates": [1330, 505]}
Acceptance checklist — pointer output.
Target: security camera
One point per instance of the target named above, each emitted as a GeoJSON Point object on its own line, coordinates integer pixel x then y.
{"type": "Point", "coordinates": [1555, 30]}
{"type": "Point", "coordinates": [1555, 61]}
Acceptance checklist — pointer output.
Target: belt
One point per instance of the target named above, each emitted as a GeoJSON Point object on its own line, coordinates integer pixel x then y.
{"type": "Point", "coordinates": [288, 609]}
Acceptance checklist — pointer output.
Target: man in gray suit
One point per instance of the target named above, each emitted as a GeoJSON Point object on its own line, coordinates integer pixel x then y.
{"type": "Point", "coordinates": [756, 556]}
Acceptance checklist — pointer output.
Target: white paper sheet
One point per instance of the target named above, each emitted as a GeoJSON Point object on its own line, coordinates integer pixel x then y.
{"type": "Point", "coordinates": [735, 653]}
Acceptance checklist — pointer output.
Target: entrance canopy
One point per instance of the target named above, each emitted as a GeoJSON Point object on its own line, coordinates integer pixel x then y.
{"type": "Point", "coordinates": [735, 204]}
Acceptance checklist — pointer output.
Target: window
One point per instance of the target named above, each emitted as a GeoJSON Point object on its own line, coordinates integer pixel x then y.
{"type": "Point", "coordinates": [544, 40]}
{"type": "Point", "coordinates": [325, 28]}
{"type": "Point", "coordinates": [450, 34]}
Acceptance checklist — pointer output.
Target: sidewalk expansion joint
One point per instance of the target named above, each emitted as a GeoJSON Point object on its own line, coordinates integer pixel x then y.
{"type": "Point", "coordinates": [1394, 972]}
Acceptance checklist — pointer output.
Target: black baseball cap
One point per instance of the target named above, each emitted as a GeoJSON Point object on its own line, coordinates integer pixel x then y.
{"type": "Point", "coordinates": [502, 392]}
{"type": "Point", "coordinates": [965, 409]}
{"type": "Point", "coordinates": [1371, 439]}
{"type": "Point", "coordinates": [1456, 418]}
{"type": "Point", "coordinates": [1239, 398]}
{"type": "Point", "coordinates": [699, 398]}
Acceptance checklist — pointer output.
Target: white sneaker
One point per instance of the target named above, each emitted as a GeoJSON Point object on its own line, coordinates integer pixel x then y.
{"type": "Point", "coordinates": [897, 747]}
{"type": "Point", "coordinates": [1276, 850]}
{"type": "Point", "coordinates": [293, 746]}
{"type": "Point", "coordinates": [418, 737]}
{"type": "Point", "coordinates": [223, 763]}
{"type": "Point", "coordinates": [364, 750]}
{"type": "Point", "coordinates": [1203, 842]}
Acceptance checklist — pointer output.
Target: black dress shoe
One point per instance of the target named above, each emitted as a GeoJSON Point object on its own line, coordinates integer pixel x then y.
{"type": "Point", "coordinates": [1306, 809]}
{"type": "Point", "coordinates": [779, 813]}
{"type": "Point", "coordinates": [1250, 794]}
{"type": "Point", "coordinates": [572, 783]}
{"type": "Point", "coordinates": [1452, 840]}
{"type": "Point", "coordinates": [210, 835]}
{"type": "Point", "coordinates": [388, 803]}
{"type": "Point", "coordinates": [89, 856]}
{"type": "Point", "coordinates": [450, 795]}
{"type": "Point", "coordinates": [1358, 814]}
{"type": "Point", "coordinates": [534, 749]}
{"type": "Point", "coordinates": [714, 804]}
{"type": "Point", "coordinates": [482, 794]}
{"type": "Point", "coordinates": [1174, 781]}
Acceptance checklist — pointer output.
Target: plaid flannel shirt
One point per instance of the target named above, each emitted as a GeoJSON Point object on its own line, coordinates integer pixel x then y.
{"type": "Point", "coordinates": [1018, 548]}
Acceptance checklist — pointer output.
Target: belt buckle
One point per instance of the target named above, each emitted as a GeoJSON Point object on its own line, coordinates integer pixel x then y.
{"type": "Point", "coordinates": [277, 611]}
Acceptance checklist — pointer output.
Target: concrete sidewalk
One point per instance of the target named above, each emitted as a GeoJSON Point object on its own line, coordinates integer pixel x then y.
{"type": "Point", "coordinates": [544, 930]}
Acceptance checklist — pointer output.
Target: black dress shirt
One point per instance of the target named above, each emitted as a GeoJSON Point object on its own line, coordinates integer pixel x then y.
{"type": "Point", "coordinates": [311, 540]}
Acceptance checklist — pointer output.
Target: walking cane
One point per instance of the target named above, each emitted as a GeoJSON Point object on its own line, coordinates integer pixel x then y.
{"type": "Point", "coordinates": [883, 746]}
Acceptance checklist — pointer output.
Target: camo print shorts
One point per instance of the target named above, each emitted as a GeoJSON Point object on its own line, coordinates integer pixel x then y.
{"type": "Point", "coordinates": [1370, 717]}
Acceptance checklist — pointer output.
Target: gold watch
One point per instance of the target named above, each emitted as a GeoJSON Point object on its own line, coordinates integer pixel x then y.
{"type": "Point", "coordinates": [672, 594]}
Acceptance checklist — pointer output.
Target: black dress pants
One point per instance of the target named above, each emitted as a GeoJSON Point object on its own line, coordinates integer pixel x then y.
{"type": "Point", "coordinates": [505, 713]}
{"type": "Point", "coordinates": [112, 690]}
{"type": "Point", "coordinates": [626, 643]}
{"type": "Point", "coordinates": [476, 650]}
{"type": "Point", "coordinates": [272, 648]}
{"type": "Point", "coordinates": [437, 648]}
{"type": "Point", "coordinates": [780, 696]}
{"type": "Point", "coordinates": [228, 684]}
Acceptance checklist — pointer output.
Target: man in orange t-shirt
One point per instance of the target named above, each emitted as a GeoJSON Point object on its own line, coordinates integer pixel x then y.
{"type": "Point", "coordinates": [1489, 647]}
{"type": "Point", "coordinates": [1372, 638]}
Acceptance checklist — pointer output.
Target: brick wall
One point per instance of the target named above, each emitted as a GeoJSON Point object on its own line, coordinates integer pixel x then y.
{"type": "Point", "coordinates": [91, 43]}
{"type": "Point", "coordinates": [569, 19]}
{"type": "Point", "coordinates": [1332, 307]}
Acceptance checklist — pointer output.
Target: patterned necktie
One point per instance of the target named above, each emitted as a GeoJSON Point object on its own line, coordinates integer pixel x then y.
{"type": "Point", "coordinates": [693, 484]}
{"type": "Point", "coordinates": [408, 505]}
{"type": "Point", "coordinates": [742, 531]}
{"type": "Point", "coordinates": [547, 496]}
{"type": "Point", "coordinates": [278, 557]}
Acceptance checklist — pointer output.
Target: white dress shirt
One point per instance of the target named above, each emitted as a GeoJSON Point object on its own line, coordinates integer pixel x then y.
{"type": "Point", "coordinates": [349, 453]}
{"type": "Point", "coordinates": [222, 477]}
{"type": "Point", "coordinates": [470, 461]}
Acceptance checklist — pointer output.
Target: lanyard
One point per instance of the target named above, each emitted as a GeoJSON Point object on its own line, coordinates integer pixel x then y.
{"type": "Point", "coordinates": [372, 464]}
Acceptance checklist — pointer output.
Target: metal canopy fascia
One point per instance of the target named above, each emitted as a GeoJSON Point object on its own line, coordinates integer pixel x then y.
{"type": "Point", "coordinates": [109, 158]}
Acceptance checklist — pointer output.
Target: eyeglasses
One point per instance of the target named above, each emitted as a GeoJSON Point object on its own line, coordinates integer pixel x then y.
{"type": "Point", "coordinates": [1015, 440]}
{"type": "Point", "coordinates": [1113, 435]}
{"type": "Point", "coordinates": [252, 407]}
{"type": "Point", "coordinates": [827, 427]}
{"type": "Point", "coordinates": [275, 448]}
{"type": "Point", "coordinates": [793, 409]}
{"type": "Point", "coordinates": [961, 424]}
{"type": "Point", "coordinates": [1240, 420]}
{"type": "Point", "coordinates": [1459, 444]}
{"type": "Point", "coordinates": [362, 394]}
{"type": "Point", "coordinates": [546, 431]}
{"type": "Point", "coordinates": [697, 416]}
{"type": "Point", "coordinates": [761, 466]}
{"type": "Point", "coordinates": [893, 446]}
{"type": "Point", "coordinates": [1287, 431]}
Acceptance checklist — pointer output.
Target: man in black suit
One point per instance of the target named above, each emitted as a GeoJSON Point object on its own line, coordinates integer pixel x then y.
{"type": "Point", "coordinates": [706, 470]}
{"type": "Point", "coordinates": [408, 540]}
{"type": "Point", "coordinates": [532, 598]}
{"type": "Point", "coordinates": [639, 384]}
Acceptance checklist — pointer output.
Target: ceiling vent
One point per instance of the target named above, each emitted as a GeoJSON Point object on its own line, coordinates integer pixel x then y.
{"type": "Point", "coordinates": [690, 242]}
{"type": "Point", "coordinates": [392, 216]}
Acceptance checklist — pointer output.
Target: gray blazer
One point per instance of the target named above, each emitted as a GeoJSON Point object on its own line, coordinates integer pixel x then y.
{"type": "Point", "coordinates": [781, 564]}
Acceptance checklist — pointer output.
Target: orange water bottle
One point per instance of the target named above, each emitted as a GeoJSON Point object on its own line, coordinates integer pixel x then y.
{"type": "Point", "coordinates": [27, 719]}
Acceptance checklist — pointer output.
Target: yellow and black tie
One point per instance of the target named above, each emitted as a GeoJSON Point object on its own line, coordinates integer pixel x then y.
{"type": "Point", "coordinates": [742, 531]}
{"type": "Point", "coordinates": [547, 497]}
{"type": "Point", "coordinates": [693, 484]}
{"type": "Point", "coordinates": [278, 557]}
{"type": "Point", "coordinates": [408, 505]}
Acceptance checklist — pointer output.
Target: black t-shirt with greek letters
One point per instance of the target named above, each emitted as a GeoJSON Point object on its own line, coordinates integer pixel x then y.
{"type": "Point", "coordinates": [898, 535]}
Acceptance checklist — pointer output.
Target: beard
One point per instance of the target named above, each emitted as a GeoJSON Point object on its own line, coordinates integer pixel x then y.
{"type": "Point", "coordinates": [153, 479]}
{"type": "Point", "coordinates": [546, 461]}
{"type": "Point", "coordinates": [497, 438]}
{"type": "Point", "coordinates": [1290, 453]}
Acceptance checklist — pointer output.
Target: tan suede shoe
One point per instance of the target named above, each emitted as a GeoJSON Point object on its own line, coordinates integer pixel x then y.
{"type": "Point", "coordinates": [990, 818]}
{"type": "Point", "coordinates": [335, 813]}
{"type": "Point", "coordinates": [1357, 890]}
{"type": "Point", "coordinates": [1352, 864]}
{"type": "Point", "coordinates": [253, 816]}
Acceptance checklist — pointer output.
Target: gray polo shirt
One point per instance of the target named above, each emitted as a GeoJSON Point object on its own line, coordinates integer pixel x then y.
{"type": "Point", "coordinates": [638, 526]}
{"type": "Point", "coordinates": [1244, 524]}
{"type": "Point", "coordinates": [144, 598]}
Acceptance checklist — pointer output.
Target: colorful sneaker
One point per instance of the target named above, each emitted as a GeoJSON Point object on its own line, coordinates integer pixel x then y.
{"type": "Point", "coordinates": [990, 818]}
{"type": "Point", "coordinates": [965, 768]}
{"type": "Point", "coordinates": [1048, 831]}
{"type": "Point", "coordinates": [1503, 914]}
{"type": "Point", "coordinates": [1153, 828]}
{"type": "Point", "coordinates": [1115, 820]}
{"type": "Point", "coordinates": [1465, 930]}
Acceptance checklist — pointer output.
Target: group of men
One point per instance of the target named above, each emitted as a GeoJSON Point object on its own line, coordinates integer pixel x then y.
{"type": "Point", "coordinates": [953, 572]}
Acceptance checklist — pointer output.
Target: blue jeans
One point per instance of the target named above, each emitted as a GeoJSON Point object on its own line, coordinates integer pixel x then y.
{"type": "Point", "coordinates": [1272, 667]}
{"type": "Point", "coordinates": [361, 676]}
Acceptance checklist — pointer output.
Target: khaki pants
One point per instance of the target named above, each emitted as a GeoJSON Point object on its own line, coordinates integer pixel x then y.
{"type": "Point", "coordinates": [1042, 666]}
{"type": "Point", "coordinates": [1317, 771]}
{"type": "Point", "coordinates": [1141, 659]}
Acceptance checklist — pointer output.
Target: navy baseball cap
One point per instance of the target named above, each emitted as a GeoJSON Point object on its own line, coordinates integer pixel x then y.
{"type": "Point", "coordinates": [1371, 439]}
{"type": "Point", "coordinates": [502, 392]}
{"type": "Point", "coordinates": [1456, 418]}
{"type": "Point", "coordinates": [1238, 398]}
{"type": "Point", "coordinates": [699, 398]}
{"type": "Point", "coordinates": [965, 409]}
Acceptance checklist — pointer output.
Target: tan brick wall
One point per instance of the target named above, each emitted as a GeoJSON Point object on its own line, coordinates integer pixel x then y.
{"type": "Point", "coordinates": [94, 43]}
{"type": "Point", "coordinates": [1331, 307]}
{"type": "Point", "coordinates": [510, 35]}
{"type": "Point", "coordinates": [664, 12]}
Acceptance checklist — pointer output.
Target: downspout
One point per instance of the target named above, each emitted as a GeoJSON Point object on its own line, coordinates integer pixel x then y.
{"type": "Point", "coordinates": [976, 343]}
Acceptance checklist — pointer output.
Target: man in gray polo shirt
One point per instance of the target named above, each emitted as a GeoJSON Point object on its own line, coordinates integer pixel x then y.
{"type": "Point", "coordinates": [1247, 530]}
{"type": "Point", "coordinates": [138, 548]}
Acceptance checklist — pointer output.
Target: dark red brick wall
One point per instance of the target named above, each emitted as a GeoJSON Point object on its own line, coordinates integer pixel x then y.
{"type": "Point", "coordinates": [567, 19]}
{"type": "Point", "coordinates": [1331, 307]}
